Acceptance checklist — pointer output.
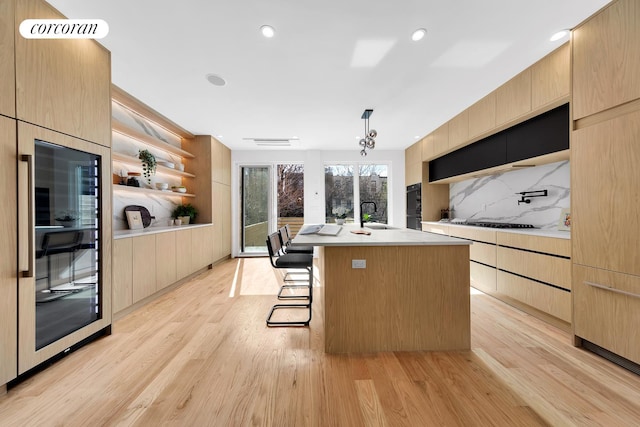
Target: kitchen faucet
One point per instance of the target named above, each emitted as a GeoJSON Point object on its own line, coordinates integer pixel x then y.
{"type": "Point", "coordinates": [375, 209]}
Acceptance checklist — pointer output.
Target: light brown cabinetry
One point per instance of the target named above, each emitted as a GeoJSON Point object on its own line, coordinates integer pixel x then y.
{"type": "Point", "coordinates": [604, 194]}
{"type": "Point", "coordinates": [166, 273]}
{"type": "Point", "coordinates": [459, 130]}
{"type": "Point", "coordinates": [7, 60]}
{"type": "Point", "coordinates": [184, 253]}
{"type": "Point", "coordinates": [441, 140]}
{"type": "Point", "coordinates": [221, 221]}
{"type": "Point", "coordinates": [213, 159]}
{"type": "Point", "coordinates": [62, 84]}
{"type": "Point", "coordinates": [606, 63]}
{"type": "Point", "coordinates": [202, 244]}
{"type": "Point", "coordinates": [604, 179]}
{"type": "Point", "coordinates": [482, 116]}
{"type": "Point", "coordinates": [144, 267]}
{"type": "Point", "coordinates": [122, 274]}
{"type": "Point", "coordinates": [427, 148]}
{"type": "Point", "coordinates": [413, 164]}
{"type": "Point", "coordinates": [8, 257]}
{"type": "Point", "coordinates": [530, 272]}
{"type": "Point", "coordinates": [550, 78]}
{"type": "Point", "coordinates": [513, 99]}
{"type": "Point", "coordinates": [607, 309]}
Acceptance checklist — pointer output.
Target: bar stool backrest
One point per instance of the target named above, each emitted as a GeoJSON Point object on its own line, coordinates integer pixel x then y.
{"type": "Point", "coordinates": [273, 244]}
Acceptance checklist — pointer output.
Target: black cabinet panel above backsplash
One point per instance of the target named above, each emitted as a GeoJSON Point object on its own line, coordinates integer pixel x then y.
{"type": "Point", "coordinates": [540, 135]}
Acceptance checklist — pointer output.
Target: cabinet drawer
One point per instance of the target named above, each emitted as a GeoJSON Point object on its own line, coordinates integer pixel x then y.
{"type": "Point", "coordinates": [483, 252]}
{"type": "Point", "coordinates": [483, 277]}
{"type": "Point", "coordinates": [548, 245]}
{"type": "Point", "coordinates": [478, 234]}
{"type": "Point", "coordinates": [437, 229]}
{"type": "Point", "coordinates": [546, 268]}
{"type": "Point", "coordinates": [553, 301]}
{"type": "Point", "coordinates": [607, 317]}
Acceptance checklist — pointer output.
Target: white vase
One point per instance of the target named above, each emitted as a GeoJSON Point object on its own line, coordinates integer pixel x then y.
{"type": "Point", "coordinates": [340, 221]}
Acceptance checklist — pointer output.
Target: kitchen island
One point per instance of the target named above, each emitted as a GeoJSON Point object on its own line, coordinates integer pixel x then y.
{"type": "Point", "coordinates": [393, 290]}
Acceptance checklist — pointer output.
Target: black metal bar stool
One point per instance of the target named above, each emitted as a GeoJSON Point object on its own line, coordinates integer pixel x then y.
{"type": "Point", "coordinates": [287, 248]}
{"type": "Point", "coordinates": [286, 261]}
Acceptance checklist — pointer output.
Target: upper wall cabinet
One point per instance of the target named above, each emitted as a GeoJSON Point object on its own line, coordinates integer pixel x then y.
{"type": "Point", "coordinates": [482, 116]}
{"type": "Point", "coordinates": [427, 148]}
{"type": "Point", "coordinates": [459, 130]}
{"type": "Point", "coordinates": [606, 59]}
{"type": "Point", "coordinates": [550, 78]}
{"type": "Point", "coordinates": [63, 84]}
{"type": "Point", "coordinates": [7, 63]}
{"type": "Point", "coordinates": [441, 140]}
{"type": "Point", "coordinates": [413, 164]}
{"type": "Point", "coordinates": [513, 99]}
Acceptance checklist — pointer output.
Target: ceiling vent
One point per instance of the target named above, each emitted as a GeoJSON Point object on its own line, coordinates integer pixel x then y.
{"type": "Point", "coordinates": [271, 142]}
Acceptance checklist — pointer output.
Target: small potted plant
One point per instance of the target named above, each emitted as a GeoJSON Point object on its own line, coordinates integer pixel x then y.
{"type": "Point", "coordinates": [187, 213]}
{"type": "Point", "coordinates": [149, 164]}
{"type": "Point", "coordinates": [341, 214]}
{"type": "Point", "coordinates": [66, 218]}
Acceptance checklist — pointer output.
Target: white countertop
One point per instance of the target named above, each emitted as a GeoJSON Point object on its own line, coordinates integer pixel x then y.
{"type": "Point", "coordinates": [122, 234]}
{"type": "Point", "coordinates": [393, 237]}
{"type": "Point", "coordinates": [530, 231]}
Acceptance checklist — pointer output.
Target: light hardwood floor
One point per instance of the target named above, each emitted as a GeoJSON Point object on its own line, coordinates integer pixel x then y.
{"type": "Point", "coordinates": [198, 357]}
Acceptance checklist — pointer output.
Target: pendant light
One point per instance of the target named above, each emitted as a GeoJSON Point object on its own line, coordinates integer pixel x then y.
{"type": "Point", "coordinates": [369, 140]}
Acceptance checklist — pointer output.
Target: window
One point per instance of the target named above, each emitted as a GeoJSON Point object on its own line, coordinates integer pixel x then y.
{"type": "Point", "coordinates": [290, 196]}
{"type": "Point", "coordinates": [347, 189]}
{"type": "Point", "coordinates": [373, 188]}
{"type": "Point", "coordinates": [338, 187]}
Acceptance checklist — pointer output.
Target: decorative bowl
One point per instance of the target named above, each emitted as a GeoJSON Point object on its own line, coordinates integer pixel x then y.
{"type": "Point", "coordinates": [180, 189]}
{"type": "Point", "coordinates": [167, 164]}
{"type": "Point", "coordinates": [162, 185]}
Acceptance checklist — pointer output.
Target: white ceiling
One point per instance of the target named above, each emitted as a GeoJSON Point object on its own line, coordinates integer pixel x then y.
{"type": "Point", "coordinates": [301, 82]}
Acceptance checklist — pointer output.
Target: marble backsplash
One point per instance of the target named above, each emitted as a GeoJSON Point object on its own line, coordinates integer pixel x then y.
{"type": "Point", "coordinates": [494, 198]}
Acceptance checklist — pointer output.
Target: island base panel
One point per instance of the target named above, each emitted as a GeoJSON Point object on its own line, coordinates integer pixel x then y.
{"type": "Point", "coordinates": [407, 298]}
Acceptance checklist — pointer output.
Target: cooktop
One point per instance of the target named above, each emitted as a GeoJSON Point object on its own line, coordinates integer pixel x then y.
{"type": "Point", "coordinates": [498, 224]}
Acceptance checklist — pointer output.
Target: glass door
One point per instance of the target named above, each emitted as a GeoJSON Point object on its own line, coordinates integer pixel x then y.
{"type": "Point", "coordinates": [64, 289]}
{"type": "Point", "coordinates": [290, 196]}
{"type": "Point", "coordinates": [255, 202]}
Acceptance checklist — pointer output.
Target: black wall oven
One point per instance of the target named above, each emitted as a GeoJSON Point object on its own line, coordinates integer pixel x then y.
{"type": "Point", "coordinates": [414, 206]}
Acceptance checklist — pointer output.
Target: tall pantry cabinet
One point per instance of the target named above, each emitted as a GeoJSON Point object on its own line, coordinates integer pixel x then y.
{"type": "Point", "coordinates": [54, 135]}
{"type": "Point", "coordinates": [605, 200]}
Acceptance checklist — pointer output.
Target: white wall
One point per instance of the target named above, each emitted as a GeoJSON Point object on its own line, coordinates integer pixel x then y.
{"type": "Point", "coordinates": [314, 161]}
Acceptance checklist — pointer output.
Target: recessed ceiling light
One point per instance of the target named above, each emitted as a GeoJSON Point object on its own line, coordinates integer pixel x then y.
{"type": "Point", "coordinates": [216, 80]}
{"type": "Point", "coordinates": [559, 35]}
{"type": "Point", "coordinates": [418, 34]}
{"type": "Point", "coordinates": [268, 31]}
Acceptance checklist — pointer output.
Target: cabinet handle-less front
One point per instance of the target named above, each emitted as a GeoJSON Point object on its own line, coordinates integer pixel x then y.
{"type": "Point", "coordinates": [607, 288]}
{"type": "Point", "coordinates": [29, 159]}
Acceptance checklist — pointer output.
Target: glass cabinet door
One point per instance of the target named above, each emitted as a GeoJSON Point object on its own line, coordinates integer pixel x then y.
{"type": "Point", "coordinates": [67, 196]}
{"type": "Point", "coordinates": [64, 243]}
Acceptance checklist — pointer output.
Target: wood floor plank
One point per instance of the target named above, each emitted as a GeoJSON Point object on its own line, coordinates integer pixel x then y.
{"type": "Point", "coordinates": [201, 355]}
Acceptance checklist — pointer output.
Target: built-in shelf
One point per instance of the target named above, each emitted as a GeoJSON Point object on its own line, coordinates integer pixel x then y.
{"type": "Point", "coordinates": [143, 110]}
{"type": "Point", "coordinates": [123, 129]}
{"type": "Point", "coordinates": [130, 189]}
{"type": "Point", "coordinates": [123, 158]}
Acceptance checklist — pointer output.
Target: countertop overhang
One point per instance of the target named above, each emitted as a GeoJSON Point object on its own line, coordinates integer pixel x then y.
{"type": "Point", "coordinates": [389, 237]}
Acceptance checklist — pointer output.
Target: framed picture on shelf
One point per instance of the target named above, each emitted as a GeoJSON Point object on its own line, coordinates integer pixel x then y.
{"type": "Point", "coordinates": [134, 219]}
{"type": "Point", "coordinates": [564, 224]}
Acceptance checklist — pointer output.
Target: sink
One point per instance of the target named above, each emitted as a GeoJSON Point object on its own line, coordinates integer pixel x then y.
{"type": "Point", "coordinates": [378, 226]}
